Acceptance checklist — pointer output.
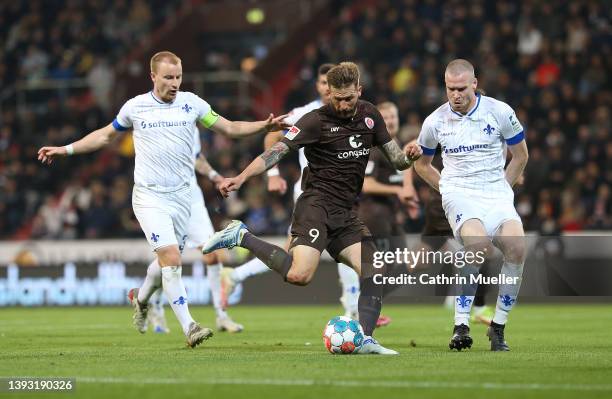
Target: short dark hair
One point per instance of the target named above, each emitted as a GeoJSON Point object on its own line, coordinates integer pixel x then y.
{"type": "Point", "coordinates": [343, 74]}
{"type": "Point", "coordinates": [323, 69]}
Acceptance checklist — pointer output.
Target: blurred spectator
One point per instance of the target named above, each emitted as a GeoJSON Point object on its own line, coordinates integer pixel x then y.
{"type": "Point", "coordinates": [549, 61]}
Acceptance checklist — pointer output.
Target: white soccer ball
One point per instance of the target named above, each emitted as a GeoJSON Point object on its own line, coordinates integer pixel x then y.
{"type": "Point", "coordinates": [343, 335]}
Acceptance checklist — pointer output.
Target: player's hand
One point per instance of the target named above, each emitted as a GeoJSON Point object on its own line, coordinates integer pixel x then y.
{"type": "Point", "coordinates": [217, 180]}
{"type": "Point", "coordinates": [277, 184]}
{"type": "Point", "coordinates": [47, 154]}
{"type": "Point", "coordinates": [413, 151]}
{"type": "Point", "coordinates": [230, 184]}
{"type": "Point", "coordinates": [274, 124]}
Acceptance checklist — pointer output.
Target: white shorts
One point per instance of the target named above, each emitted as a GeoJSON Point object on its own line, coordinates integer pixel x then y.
{"type": "Point", "coordinates": [163, 216]}
{"type": "Point", "coordinates": [199, 228]}
{"type": "Point", "coordinates": [492, 212]}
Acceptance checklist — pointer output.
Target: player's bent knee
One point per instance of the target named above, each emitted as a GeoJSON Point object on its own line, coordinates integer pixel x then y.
{"type": "Point", "coordinates": [299, 278]}
{"type": "Point", "coordinates": [169, 256]}
{"type": "Point", "coordinates": [211, 258]}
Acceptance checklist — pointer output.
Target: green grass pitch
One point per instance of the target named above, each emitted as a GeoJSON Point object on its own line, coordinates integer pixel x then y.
{"type": "Point", "coordinates": [557, 351]}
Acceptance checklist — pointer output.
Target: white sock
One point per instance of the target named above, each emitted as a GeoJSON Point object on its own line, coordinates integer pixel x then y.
{"type": "Point", "coordinates": [152, 282]}
{"type": "Point", "coordinates": [214, 280]}
{"type": "Point", "coordinates": [508, 292]}
{"type": "Point", "coordinates": [463, 306]}
{"type": "Point", "coordinates": [176, 295]}
{"type": "Point", "coordinates": [349, 280]}
{"type": "Point", "coordinates": [467, 292]}
{"type": "Point", "coordinates": [249, 269]}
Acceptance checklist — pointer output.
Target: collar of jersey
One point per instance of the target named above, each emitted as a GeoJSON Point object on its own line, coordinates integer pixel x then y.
{"type": "Point", "coordinates": [469, 113]}
{"type": "Point", "coordinates": [158, 100]}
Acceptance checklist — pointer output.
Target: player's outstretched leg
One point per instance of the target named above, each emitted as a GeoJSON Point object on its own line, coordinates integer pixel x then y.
{"type": "Point", "coordinates": [229, 237]}
{"type": "Point", "coordinates": [461, 338]}
{"type": "Point", "coordinates": [237, 234]}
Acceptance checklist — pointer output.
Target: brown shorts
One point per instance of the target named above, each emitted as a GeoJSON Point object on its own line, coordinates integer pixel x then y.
{"type": "Point", "coordinates": [380, 219]}
{"type": "Point", "coordinates": [436, 230]}
{"type": "Point", "coordinates": [318, 224]}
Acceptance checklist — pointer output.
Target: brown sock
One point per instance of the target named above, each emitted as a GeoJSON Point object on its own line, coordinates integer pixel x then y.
{"type": "Point", "coordinates": [273, 256]}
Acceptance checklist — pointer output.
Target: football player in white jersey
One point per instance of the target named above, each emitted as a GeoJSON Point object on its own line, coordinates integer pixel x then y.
{"type": "Point", "coordinates": [199, 230]}
{"type": "Point", "coordinates": [162, 121]}
{"type": "Point", "coordinates": [349, 280]}
{"type": "Point", "coordinates": [474, 131]}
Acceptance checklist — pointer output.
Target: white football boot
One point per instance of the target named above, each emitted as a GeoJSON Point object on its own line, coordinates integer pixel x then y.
{"type": "Point", "coordinates": [140, 311]}
{"type": "Point", "coordinates": [371, 347]}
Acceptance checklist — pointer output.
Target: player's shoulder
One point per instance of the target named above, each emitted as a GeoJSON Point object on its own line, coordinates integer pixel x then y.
{"type": "Point", "coordinates": [440, 114]}
{"type": "Point", "coordinates": [308, 119]}
{"type": "Point", "coordinates": [143, 98]}
{"type": "Point", "coordinates": [494, 105]}
{"type": "Point", "coordinates": [367, 107]}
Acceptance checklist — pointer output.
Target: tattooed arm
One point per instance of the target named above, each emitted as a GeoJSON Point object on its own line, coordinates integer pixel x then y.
{"type": "Point", "coordinates": [259, 165]}
{"type": "Point", "coordinates": [401, 159]}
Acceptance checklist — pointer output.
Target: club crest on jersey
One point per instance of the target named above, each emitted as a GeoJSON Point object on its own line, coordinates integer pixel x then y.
{"type": "Point", "coordinates": [291, 133]}
{"type": "Point", "coordinates": [369, 122]}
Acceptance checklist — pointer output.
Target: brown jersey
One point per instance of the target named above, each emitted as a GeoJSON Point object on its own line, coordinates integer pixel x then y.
{"type": "Point", "coordinates": [337, 150]}
{"type": "Point", "coordinates": [381, 169]}
{"type": "Point", "coordinates": [435, 218]}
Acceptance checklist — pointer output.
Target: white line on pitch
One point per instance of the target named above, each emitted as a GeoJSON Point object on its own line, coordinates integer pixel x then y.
{"type": "Point", "coordinates": [373, 384]}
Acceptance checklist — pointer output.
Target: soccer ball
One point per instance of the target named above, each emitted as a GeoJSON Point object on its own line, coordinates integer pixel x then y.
{"type": "Point", "coordinates": [343, 335]}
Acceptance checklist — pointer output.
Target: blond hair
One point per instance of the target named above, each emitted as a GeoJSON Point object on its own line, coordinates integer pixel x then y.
{"type": "Point", "coordinates": [164, 56]}
{"type": "Point", "coordinates": [344, 74]}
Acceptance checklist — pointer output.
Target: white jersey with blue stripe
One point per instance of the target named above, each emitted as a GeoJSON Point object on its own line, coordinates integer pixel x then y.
{"type": "Point", "coordinates": [163, 137]}
{"type": "Point", "coordinates": [294, 116]}
{"type": "Point", "coordinates": [473, 145]}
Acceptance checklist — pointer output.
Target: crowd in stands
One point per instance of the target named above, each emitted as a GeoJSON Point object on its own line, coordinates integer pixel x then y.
{"type": "Point", "coordinates": [549, 61]}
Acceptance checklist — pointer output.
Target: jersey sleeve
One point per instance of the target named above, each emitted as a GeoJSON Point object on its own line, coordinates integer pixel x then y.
{"type": "Point", "coordinates": [123, 121]}
{"type": "Point", "coordinates": [511, 129]}
{"type": "Point", "coordinates": [206, 115]}
{"type": "Point", "coordinates": [428, 137]}
{"type": "Point", "coordinates": [305, 131]}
